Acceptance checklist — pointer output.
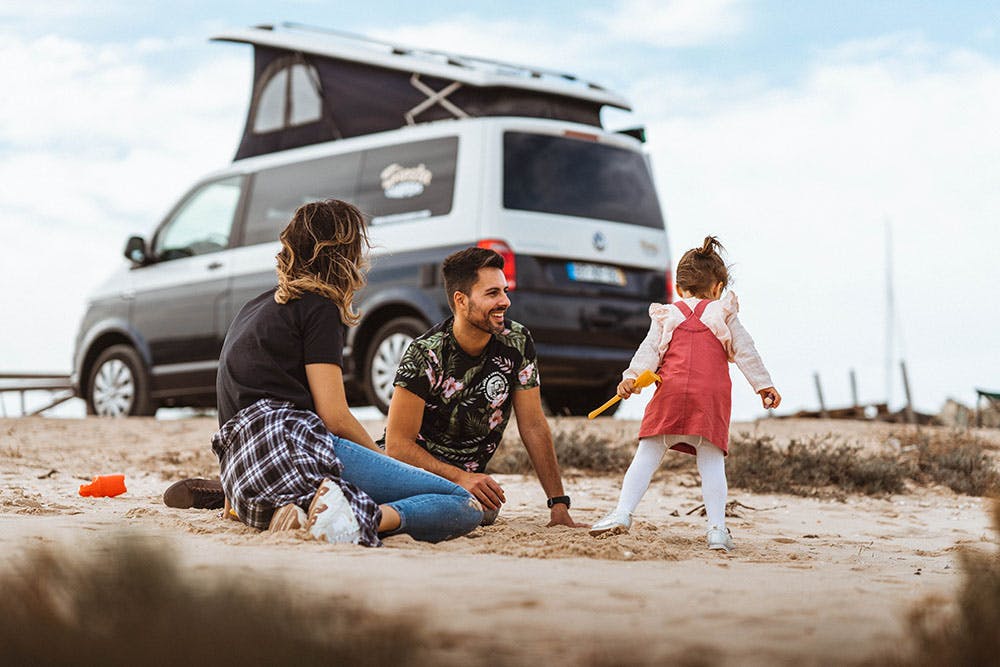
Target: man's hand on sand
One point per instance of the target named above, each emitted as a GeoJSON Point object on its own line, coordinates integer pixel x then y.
{"type": "Point", "coordinates": [560, 517]}
{"type": "Point", "coordinates": [484, 488]}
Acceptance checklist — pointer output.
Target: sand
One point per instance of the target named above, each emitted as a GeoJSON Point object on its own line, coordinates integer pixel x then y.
{"type": "Point", "coordinates": [811, 581]}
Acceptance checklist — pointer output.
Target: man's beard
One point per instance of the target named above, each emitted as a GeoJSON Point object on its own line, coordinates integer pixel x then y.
{"type": "Point", "coordinates": [483, 320]}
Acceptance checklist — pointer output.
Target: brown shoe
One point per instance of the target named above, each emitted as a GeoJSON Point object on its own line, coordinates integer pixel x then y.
{"type": "Point", "coordinates": [202, 494]}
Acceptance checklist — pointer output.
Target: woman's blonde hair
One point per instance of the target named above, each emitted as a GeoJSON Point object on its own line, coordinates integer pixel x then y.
{"type": "Point", "coordinates": [324, 249]}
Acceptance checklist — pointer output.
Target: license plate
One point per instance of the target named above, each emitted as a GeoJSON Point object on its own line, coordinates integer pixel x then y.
{"type": "Point", "coordinates": [595, 273]}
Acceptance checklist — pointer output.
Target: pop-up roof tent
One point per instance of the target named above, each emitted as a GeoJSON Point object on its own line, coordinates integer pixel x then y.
{"type": "Point", "coordinates": [312, 86]}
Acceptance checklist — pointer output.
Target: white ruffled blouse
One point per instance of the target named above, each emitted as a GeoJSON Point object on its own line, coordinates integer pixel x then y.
{"type": "Point", "coordinates": [720, 317]}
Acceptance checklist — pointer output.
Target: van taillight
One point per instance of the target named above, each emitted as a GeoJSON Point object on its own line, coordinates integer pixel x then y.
{"type": "Point", "coordinates": [670, 286]}
{"type": "Point", "coordinates": [509, 266]}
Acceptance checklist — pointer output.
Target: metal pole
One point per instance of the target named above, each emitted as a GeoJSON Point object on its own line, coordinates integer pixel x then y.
{"type": "Point", "coordinates": [910, 419]}
{"type": "Point", "coordinates": [819, 392]}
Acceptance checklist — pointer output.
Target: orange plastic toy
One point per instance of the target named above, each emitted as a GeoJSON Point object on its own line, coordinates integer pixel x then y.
{"type": "Point", "coordinates": [104, 485]}
{"type": "Point", "coordinates": [646, 378]}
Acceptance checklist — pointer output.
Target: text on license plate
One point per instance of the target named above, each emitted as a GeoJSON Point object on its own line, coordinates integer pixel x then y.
{"type": "Point", "coordinates": [595, 273]}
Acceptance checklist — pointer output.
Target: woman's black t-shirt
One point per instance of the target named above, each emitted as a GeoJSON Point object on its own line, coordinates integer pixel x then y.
{"type": "Point", "coordinates": [268, 346]}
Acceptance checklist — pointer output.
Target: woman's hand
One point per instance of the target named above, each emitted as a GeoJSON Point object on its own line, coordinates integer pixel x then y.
{"type": "Point", "coordinates": [626, 388]}
{"type": "Point", "coordinates": [770, 398]}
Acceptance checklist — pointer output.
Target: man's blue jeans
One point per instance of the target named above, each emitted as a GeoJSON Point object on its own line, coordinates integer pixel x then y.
{"type": "Point", "coordinates": [431, 508]}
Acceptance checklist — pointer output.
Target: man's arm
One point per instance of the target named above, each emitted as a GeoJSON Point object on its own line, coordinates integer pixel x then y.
{"type": "Point", "coordinates": [406, 414]}
{"type": "Point", "coordinates": [537, 439]}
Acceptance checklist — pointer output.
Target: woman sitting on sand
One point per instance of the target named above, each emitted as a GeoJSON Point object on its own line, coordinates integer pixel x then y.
{"type": "Point", "coordinates": [291, 453]}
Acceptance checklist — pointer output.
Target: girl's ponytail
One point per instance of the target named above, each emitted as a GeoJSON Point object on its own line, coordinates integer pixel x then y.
{"type": "Point", "coordinates": [711, 246]}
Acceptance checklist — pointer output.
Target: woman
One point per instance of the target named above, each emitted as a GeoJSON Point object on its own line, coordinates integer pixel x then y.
{"type": "Point", "coordinates": [288, 444]}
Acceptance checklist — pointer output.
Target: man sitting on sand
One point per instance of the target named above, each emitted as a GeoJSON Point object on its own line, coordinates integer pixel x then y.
{"type": "Point", "coordinates": [457, 383]}
{"type": "Point", "coordinates": [454, 391]}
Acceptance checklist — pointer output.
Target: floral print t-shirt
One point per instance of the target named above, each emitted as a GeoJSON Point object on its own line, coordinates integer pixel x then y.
{"type": "Point", "coordinates": [467, 400]}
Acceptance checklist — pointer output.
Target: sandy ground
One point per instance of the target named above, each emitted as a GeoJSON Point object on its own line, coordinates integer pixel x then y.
{"type": "Point", "coordinates": [812, 581]}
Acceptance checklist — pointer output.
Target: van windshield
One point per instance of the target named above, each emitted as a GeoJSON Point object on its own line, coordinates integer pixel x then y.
{"type": "Point", "coordinates": [553, 174]}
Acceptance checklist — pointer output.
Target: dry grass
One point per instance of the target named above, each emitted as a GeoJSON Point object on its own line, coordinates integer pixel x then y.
{"type": "Point", "coordinates": [819, 465]}
{"type": "Point", "coordinates": [959, 460]}
{"type": "Point", "coordinates": [963, 632]}
{"type": "Point", "coordinates": [130, 605]}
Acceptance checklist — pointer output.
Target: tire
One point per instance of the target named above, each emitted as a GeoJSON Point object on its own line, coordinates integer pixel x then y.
{"type": "Point", "coordinates": [118, 385]}
{"type": "Point", "coordinates": [383, 356]}
{"type": "Point", "coordinates": [579, 401]}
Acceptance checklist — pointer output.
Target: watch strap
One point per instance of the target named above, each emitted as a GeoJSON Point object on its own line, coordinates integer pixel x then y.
{"type": "Point", "coordinates": [558, 499]}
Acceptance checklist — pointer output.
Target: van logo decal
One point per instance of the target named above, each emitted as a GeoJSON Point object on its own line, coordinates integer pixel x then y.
{"type": "Point", "coordinates": [399, 182]}
{"type": "Point", "coordinates": [600, 242]}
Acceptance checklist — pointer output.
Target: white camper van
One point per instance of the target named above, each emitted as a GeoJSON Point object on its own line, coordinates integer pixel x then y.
{"type": "Point", "coordinates": [441, 152]}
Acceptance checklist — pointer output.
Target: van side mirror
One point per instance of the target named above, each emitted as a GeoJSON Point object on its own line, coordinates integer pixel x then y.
{"type": "Point", "coordinates": [135, 250]}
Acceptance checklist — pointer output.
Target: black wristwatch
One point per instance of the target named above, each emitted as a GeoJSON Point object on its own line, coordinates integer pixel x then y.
{"type": "Point", "coordinates": [558, 499]}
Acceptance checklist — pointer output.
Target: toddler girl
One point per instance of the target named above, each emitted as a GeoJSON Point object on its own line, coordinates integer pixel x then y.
{"type": "Point", "coordinates": [689, 344]}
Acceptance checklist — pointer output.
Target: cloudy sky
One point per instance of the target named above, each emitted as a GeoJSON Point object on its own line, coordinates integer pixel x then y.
{"type": "Point", "coordinates": [798, 132]}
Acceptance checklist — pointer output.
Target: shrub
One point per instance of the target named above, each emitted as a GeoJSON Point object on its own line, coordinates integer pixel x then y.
{"type": "Point", "coordinates": [129, 605]}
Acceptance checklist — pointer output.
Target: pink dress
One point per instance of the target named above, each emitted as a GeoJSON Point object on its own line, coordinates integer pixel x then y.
{"type": "Point", "coordinates": [695, 397]}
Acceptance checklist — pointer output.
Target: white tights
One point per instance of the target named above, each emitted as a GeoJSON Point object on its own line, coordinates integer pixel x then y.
{"type": "Point", "coordinates": [711, 467]}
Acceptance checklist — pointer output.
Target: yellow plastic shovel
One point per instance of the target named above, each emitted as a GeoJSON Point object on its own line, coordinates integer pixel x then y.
{"type": "Point", "coordinates": [646, 378]}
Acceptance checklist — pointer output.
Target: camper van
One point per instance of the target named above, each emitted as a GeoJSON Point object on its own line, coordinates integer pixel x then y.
{"type": "Point", "coordinates": [441, 152]}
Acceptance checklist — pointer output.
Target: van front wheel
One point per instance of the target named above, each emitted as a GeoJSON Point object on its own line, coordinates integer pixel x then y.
{"type": "Point", "coordinates": [118, 385]}
{"type": "Point", "coordinates": [383, 356]}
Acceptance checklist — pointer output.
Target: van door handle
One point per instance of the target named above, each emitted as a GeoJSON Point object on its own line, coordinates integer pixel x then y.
{"type": "Point", "coordinates": [602, 321]}
{"type": "Point", "coordinates": [214, 265]}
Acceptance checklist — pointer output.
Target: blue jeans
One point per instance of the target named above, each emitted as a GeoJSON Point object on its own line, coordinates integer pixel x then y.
{"type": "Point", "coordinates": [431, 508]}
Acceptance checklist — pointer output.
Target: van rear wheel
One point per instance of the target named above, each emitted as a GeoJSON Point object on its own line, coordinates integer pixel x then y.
{"type": "Point", "coordinates": [118, 385]}
{"type": "Point", "coordinates": [383, 356]}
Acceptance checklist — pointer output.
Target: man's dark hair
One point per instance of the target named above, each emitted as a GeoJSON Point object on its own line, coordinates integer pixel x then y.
{"type": "Point", "coordinates": [461, 270]}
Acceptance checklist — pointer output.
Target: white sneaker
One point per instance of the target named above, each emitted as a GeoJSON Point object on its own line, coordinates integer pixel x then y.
{"type": "Point", "coordinates": [288, 517]}
{"type": "Point", "coordinates": [720, 538]}
{"type": "Point", "coordinates": [330, 516]}
{"type": "Point", "coordinates": [618, 521]}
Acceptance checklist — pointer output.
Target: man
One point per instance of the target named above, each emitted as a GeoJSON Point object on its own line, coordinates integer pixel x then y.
{"type": "Point", "coordinates": [456, 386]}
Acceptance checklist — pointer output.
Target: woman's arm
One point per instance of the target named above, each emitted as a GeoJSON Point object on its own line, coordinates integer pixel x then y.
{"type": "Point", "coordinates": [326, 384]}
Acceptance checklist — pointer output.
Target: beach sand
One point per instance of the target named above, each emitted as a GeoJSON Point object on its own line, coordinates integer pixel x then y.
{"type": "Point", "coordinates": [812, 580]}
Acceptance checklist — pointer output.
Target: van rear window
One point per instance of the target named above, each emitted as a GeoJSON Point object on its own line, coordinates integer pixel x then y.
{"type": "Point", "coordinates": [553, 174]}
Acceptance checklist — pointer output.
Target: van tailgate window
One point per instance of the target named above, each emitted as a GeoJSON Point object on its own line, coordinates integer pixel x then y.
{"type": "Point", "coordinates": [554, 174]}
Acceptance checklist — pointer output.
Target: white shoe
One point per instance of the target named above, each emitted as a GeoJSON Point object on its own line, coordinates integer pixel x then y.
{"type": "Point", "coordinates": [618, 521]}
{"type": "Point", "coordinates": [720, 538]}
{"type": "Point", "coordinates": [288, 517]}
{"type": "Point", "coordinates": [330, 516]}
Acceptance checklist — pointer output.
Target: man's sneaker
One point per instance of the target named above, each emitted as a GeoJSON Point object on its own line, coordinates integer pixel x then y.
{"type": "Point", "coordinates": [288, 517]}
{"type": "Point", "coordinates": [618, 521]}
{"type": "Point", "coordinates": [202, 494]}
{"type": "Point", "coordinates": [331, 517]}
{"type": "Point", "coordinates": [720, 538]}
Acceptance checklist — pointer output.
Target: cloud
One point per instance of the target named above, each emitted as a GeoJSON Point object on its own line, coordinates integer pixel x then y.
{"type": "Point", "coordinates": [96, 143]}
{"type": "Point", "coordinates": [673, 23]}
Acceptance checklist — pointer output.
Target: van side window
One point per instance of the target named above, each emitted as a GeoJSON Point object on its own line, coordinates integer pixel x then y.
{"type": "Point", "coordinates": [408, 181]}
{"type": "Point", "coordinates": [278, 191]}
{"type": "Point", "coordinates": [202, 223]}
{"type": "Point", "coordinates": [289, 95]}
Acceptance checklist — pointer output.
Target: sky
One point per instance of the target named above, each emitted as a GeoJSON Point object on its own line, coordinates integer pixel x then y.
{"type": "Point", "coordinates": [805, 135]}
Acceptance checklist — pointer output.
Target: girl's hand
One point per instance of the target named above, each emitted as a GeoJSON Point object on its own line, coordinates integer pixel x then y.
{"type": "Point", "coordinates": [626, 388]}
{"type": "Point", "coordinates": [770, 397]}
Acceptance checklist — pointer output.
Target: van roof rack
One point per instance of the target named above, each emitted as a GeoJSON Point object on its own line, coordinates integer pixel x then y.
{"type": "Point", "coordinates": [358, 85]}
{"type": "Point", "coordinates": [473, 70]}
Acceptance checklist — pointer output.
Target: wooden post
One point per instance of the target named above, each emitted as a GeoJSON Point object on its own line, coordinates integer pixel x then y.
{"type": "Point", "coordinates": [819, 392]}
{"type": "Point", "coordinates": [854, 395]}
{"type": "Point", "coordinates": [910, 419]}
